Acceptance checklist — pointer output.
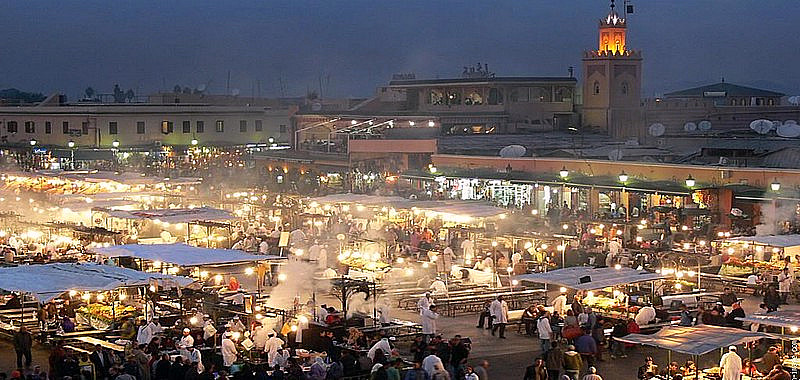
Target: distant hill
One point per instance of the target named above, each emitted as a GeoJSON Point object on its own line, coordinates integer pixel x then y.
{"type": "Point", "coordinates": [12, 95]}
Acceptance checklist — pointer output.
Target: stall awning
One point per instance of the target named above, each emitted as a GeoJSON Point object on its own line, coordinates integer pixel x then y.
{"type": "Point", "coordinates": [783, 318]}
{"type": "Point", "coordinates": [177, 215]}
{"type": "Point", "coordinates": [783, 241]}
{"type": "Point", "coordinates": [49, 281]}
{"type": "Point", "coordinates": [182, 254]}
{"type": "Point", "coordinates": [694, 340]}
{"type": "Point", "coordinates": [463, 209]}
{"type": "Point", "coordinates": [599, 277]}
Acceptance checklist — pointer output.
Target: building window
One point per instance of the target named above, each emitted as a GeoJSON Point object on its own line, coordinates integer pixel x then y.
{"type": "Point", "coordinates": [139, 127]}
{"type": "Point", "coordinates": [186, 127]}
{"type": "Point", "coordinates": [11, 126]}
{"type": "Point", "coordinates": [495, 96]}
{"type": "Point", "coordinates": [65, 127]}
{"type": "Point", "coordinates": [259, 125]}
{"type": "Point", "coordinates": [436, 97]}
{"type": "Point", "coordinates": [242, 125]}
{"type": "Point", "coordinates": [30, 127]}
{"type": "Point", "coordinates": [220, 126]}
{"type": "Point", "coordinates": [283, 128]}
{"type": "Point", "coordinates": [112, 128]}
{"type": "Point", "coordinates": [596, 88]}
{"type": "Point", "coordinates": [85, 128]}
{"type": "Point", "coordinates": [201, 126]}
{"type": "Point", "coordinates": [771, 102]}
{"type": "Point", "coordinates": [167, 127]}
{"type": "Point", "coordinates": [624, 88]}
{"type": "Point", "coordinates": [743, 102]}
{"type": "Point", "coordinates": [48, 127]}
{"type": "Point", "coordinates": [473, 98]}
{"type": "Point", "coordinates": [453, 97]}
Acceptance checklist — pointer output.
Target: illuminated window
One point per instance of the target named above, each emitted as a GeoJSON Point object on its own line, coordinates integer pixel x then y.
{"type": "Point", "coordinates": [436, 97]}
{"type": "Point", "coordinates": [474, 97]}
{"type": "Point", "coordinates": [167, 127]}
{"type": "Point", "coordinates": [596, 89]}
{"type": "Point", "coordinates": [453, 97]}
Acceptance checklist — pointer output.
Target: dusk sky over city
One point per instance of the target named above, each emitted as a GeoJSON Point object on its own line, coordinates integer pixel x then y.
{"type": "Point", "coordinates": [356, 45]}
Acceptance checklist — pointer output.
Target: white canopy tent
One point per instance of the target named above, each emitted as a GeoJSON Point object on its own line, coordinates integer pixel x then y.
{"type": "Point", "coordinates": [177, 215]}
{"type": "Point", "coordinates": [182, 254]}
{"type": "Point", "coordinates": [789, 243]}
{"type": "Point", "coordinates": [49, 281]}
{"type": "Point", "coordinates": [471, 209]}
{"type": "Point", "coordinates": [782, 318]}
{"type": "Point", "coordinates": [695, 340]}
{"type": "Point", "coordinates": [599, 277]}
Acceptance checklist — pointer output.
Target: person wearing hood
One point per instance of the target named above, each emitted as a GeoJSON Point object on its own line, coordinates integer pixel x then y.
{"type": "Point", "coordinates": [439, 372]}
{"type": "Point", "coordinates": [229, 353]}
{"type": "Point", "coordinates": [318, 370]}
{"type": "Point", "coordinates": [382, 345]}
{"type": "Point", "coordinates": [430, 362]}
{"type": "Point", "coordinates": [572, 363]}
{"type": "Point", "coordinates": [271, 348]}
{"type": "Point", "coordinates": [424, 302]}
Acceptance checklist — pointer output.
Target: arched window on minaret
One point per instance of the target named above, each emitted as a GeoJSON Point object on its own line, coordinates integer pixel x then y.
{"type": "Point", "coordinates": [596, 88]}
{"type": "Point", "coordinates": [624, 88]}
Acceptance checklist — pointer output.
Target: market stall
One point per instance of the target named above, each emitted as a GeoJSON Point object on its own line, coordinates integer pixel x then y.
{"type": "Point", "coordinates": [746, 255]}
{"type": "Point", "coordinates": [695, 341]}
{"type": "Point", "coordinates": [166, 225]}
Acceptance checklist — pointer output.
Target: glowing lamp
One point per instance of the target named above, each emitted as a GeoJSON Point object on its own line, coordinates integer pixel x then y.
{"type": "Point", "coordinates": [193, 320]}
{"type": "Point", "coordinates": [514, 282]}
{"type": "Point", "coordinates": [617, 267]}
{"type": "Point", "coordinates": [249, 271]}
{"type": "Point", "coordinates": [623, 177]}
{"type": "Point", "coordinates": [282, 277]}
{"type": "Point", "coordinates": [194, 142]}
{"type": "Point", "coordinates": [71, 144]}
{"type": "Point", "coordinates": [793, 329]}
{"type": "Point", "coordinates": [775, 186]}
{"type": "Point", "coordinates": [563, 173]}
{"type": "Point", "coordinates": [115, 143]}
{"type": "Point", "coordinates": [690, 182]}
{"type": "Point", "coordinates": [562, 289]}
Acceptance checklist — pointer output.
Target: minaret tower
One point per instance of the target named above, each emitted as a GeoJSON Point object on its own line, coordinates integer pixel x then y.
{"type": "Point", "coordinates": [612, 80]}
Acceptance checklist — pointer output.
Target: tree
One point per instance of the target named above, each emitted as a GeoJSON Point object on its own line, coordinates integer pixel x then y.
{"type": "Point", "coordinates": [129, 95]}
{"type": "Point", "coordinates": [119, 95]}
{"type": "Point", "coordinates": [89, 92]}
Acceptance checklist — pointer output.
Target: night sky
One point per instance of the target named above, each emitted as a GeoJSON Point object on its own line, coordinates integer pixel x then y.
{"type": "Point", "coordinates": [355, 46]}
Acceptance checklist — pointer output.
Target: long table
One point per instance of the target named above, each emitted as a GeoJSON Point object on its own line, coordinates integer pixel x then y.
{"type": "Point", "coordinates": [102, 343]}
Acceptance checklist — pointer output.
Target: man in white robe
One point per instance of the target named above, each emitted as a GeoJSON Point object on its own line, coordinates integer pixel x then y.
{"type": "Point", "coordinates": [424, 302]}
{"type": "Point", "coordinates": [229, 352]}
{"type": "Point", "coordinates": [271, 348]}
{"type": "Point", "coordinates": [383, 345]}
{"type": "Point", "coordinates": [429, 317]}
{"type": "Point", "coordinates": [731, 365]}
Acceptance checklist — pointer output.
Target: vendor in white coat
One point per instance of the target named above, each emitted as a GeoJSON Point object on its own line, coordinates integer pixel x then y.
{"type": "Point", "coordinates": [271, 348]}
{"type": "Point", "coordinates": [429, 317]}
{"type": "Point", "coordinates": [425, 302]}
{"type": "Point", "coordinates": [192, 355]}
{"type": "Point", "coordinates": [499, 312]}
{"type": "Point", "coordinates": [186, 340]}
{"type": "Point", "coordinates": [145, 333]}
{"type": "Point", "coordinates": [730, 366]}
{"type": "Point", "coordinates": [468, 250]}
{"type": "Point", "coordinates": [560, 304]}
{"type": "Point", "coordinates": [445, 261]}
{"type": "Point", "coordinates": [229, 353]}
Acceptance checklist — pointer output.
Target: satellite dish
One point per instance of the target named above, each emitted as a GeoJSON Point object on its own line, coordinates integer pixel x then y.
{"type": "Point", "coordinates": [656, 129]}
{"type": "Point", "coordinates": [513, 151]}
{"type": "Point", "coordinates": [704, 125]}
{"type": "Point", "coordinates": [788, 130]}
{"type": "Point", "coordinates": [201, 87]}
{"type": "Point", "coordinates": [690, 127]}
{"type": "Point", "coordinates": [615, 154]}
{"type": "Point", "coordinates": [794, 100]}
{"type": "Point", "coordinates": [761, 126]}
{"type": "Point", "coordinates": [235, 92]}
{"type": "Point", "coordinates": [789, 122]}
{"type": "Point", "coordinates": [316, 106]}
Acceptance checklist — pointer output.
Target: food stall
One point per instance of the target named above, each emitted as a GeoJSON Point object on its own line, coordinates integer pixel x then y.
{"type": "Point", "coordinates": [695, 341]}
{"type": "Point", "coordinates": [605, 288]}
{"type": "Point", "coordinates": [167, 225]}
{"type": "Point", "coordinates": [756, 254]}
{"type": "Point", "coordinates": [102, 288]}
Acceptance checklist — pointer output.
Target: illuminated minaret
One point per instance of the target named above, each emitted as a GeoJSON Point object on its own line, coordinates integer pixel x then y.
{"type": "Point", "coordinates": [612, 80]}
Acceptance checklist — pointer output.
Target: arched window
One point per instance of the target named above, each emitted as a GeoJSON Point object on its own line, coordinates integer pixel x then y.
{"type": "Point", "coordinates": [743, 102]}
{"type": "Point", "coordinates": [624, 88]}
{"type": "Point", "coordinates": [771, 102]}
{"type": "Point", "coordinates": [596, 90]}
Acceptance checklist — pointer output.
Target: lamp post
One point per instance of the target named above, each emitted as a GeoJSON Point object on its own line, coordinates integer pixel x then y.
{"type": "Point", "coordinates": [71, 145]}
{"type": "Point", "coordinates": [775, 185]}
{"type": "Point", "coordinates": [690, 181]}
{"type": "Point", "coordinates": [33, 153]}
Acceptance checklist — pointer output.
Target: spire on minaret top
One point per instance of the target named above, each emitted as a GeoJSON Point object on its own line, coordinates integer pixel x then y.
{"type": "Point", "coordinates": [612, 32]}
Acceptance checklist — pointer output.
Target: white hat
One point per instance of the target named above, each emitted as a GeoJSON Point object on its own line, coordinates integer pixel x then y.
{"type": "Point", "coordinates": [186, 330]}
{"type": "Point", "coordinates": [732, 348]}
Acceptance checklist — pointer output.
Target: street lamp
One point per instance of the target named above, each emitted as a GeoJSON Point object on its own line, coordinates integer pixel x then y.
{"type": "Point", "coordinates": [33, 142]}
{"type": "Point", "coordinates": [194, 142]}
{"type": "Point", "coordinates": [271, 140]}
{"type": "Point", "coordinates": [623, 177]}
{"type": "Point", "coordinates": [563, 172]}
{"type": "Point", "coordinates": [431, 123]}
{"type": "Point", "coordinates": [775, 185]}
{"type": "Point", "coordinates": [690, 182]}
{"type": "Point", "coordinates": [115, 143]}
{"type": "Point", "coordinates": [71, 144]}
